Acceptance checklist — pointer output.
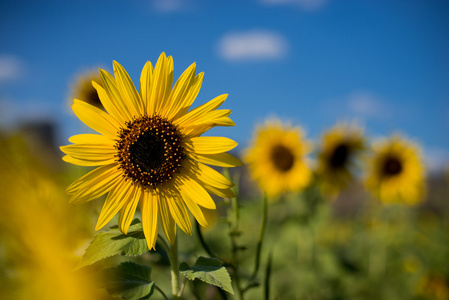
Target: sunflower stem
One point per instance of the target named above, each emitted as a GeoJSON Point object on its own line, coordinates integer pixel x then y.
{"type": "Point", "coordinates": [173, 255]}
{"type": "Point", "coordinates": [235, 265]}
{"type": "Point", "coordinates": [261, 235]}
{"type": "Point", "coordinates": [164, 243]}
{"type": "Point", "coordinates": [183, 285]}
{"type": "Point", "coordinates": [233, 216]}
{"type": "Point", "coordinates": [160, 292]}
{"type": "Point", "coordinates": [234, 229]}
{"type": "Point", "coordinates": [235, 204]}
{"type": "Point", "coordinates": [268, 276]}
{"type": "Point", "coordinates": [202, 241]}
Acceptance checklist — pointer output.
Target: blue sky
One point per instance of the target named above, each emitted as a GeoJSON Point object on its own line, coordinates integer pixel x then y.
{"type": "Point", "coordinates": [382, 63]}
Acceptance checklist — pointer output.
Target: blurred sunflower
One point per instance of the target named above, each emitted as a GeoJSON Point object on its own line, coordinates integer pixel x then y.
{"type": "Point", "coordinates": [83, 89]}
{"type": "Point", "coordinates": [150, 150]}
{"type": "Point", "coordinates": [337, 155]}
{"type": "Point", "coordinates": [277, 158]}
{"type": "Point", "coordinates": [40, 234]}
{"type": "Point", "coordinates": [433, 286]}
{"type": "Point", "coordinates": [395, 172]}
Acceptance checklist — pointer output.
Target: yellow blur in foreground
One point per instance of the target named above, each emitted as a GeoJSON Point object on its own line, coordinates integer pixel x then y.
{"type": "Point", "coordinates": [39, 233]}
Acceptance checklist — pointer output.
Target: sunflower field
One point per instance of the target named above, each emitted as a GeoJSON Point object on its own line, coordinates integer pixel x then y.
{"type": "Point", "coordinates": [228, 150]}
{"type": "Point", "coordinates": [179, 217]}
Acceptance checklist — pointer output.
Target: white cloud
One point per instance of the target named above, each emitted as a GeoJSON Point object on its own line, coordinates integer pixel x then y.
{"type": "Point", "coordinates": [309, 5]}
{"type": "Point", "coordinates": [11, 67]}
{"type": "Point", "coordinates": [365, 104]}
{"type": "Point", "coordinates": [252, 45]}
{"type": "Point", "coordinates": [359, 105]}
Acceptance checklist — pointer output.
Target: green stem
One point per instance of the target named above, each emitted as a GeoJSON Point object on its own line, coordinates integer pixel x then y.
{"type": "Point", "coordinates": [236, 268]}
{"type": "Point", "coordinates": [233, 223]}
{"type": "Point", "coordinates": [183, 285]}
{"type": "Point", "coordinates": [235, 204]}
{"type": "Point", "coordinates": [268, 276]}
{"type": "Point", "coordinates": [202, 241]}
{"type": "Point", "coordinates": [164, 243]}
{"type": "Point", "coordinates": [261, 234]}
{"type": "Point", "coordinates": [173, 255]}
{"type": "Point", "coordinates": [161, 292]}
{"type": "Point", "coordinates": [234, 227]}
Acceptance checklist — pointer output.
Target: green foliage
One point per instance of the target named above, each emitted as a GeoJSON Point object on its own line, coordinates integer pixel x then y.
{"type": "Point", "coordinates": [209, 270]}
{"type": "Point", "coordinates": [129, 281]}
{"type": "Point", "coordinates": [113, 242]}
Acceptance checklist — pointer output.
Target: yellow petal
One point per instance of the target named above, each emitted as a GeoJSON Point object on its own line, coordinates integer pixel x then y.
{"type": "Point", "coordinates": [87, 162]}
{"type": "Point", "coordinates": [210, 144]}
{"type": "Point", "coordinates": [149, 210]}
{"type": "Point", "coordinates": [168, 86]}
{"type": "Point", "coordinates": [129, 208]}
{"type": "Point", "coordinates": [113, 93]}
{"type": "Point", "coordinates": [114, 202]}
{"type": "Point", "coordinates": [89, 138]}
{"type": "Point", "coordinates": [193, 91]}
{"type": "Point", "coordinates": [198, 112]}
{"type": "Point", "coordinates": [179, 213]}
{"type": "Point", "coordinates": [208, 175]}
{"type": "Point", "coordinates": [194, 209]}
{"type": "Point", "coordinates": [195, 131]}
{"type": "Point", "coordinates": [220, 159]}
{"type": "Point", "coordinates": [224, 193]}
{"type": "Point", "coordinates": [96, 119]}
{"type": "Point", "coordinates": [195, 191]}
{"type": "Point", "coordinates": [90, 151]}
{"type": "Point", "coordinates": [127, 90]}
{"type": "Point", "coordinates": [144, 87]}
{"type": "Point", "coordinates": [167, 222]}
{"type": "Point", "coordinates": [94, 184]}
{"type": "Point", "coordinates": [207, 121]}
{"type": "Point", "coordinates": [111, 106]}
{"type": "Point", "coordinates": [214, 116]}
{"type": "Point", "coordinates": [178, 95]}
{"type": "Point", "coordinates": [89, 154]}
{"type": "Point", "coordinates": [159, 83]}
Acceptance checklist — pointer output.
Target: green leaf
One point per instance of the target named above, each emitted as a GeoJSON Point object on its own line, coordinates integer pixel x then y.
{"type": "Point", "coordinates": [113, 242]}
{"type": "Point", "coordinates": [209, 270]}
{"type": "Point", "coordinates": [129, 281]}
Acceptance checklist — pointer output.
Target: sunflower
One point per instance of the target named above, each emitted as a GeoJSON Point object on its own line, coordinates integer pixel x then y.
{"type": "Point", "coordinates": [339, 149]}
{"type": "Point", "coordinates": [150, 150]}
{"type": "Point", "coordinates": [83, 89]}
{"type": "Point", "coordinates": [277, 158]}
{"type": "Point", "coordinates": [395, 171]}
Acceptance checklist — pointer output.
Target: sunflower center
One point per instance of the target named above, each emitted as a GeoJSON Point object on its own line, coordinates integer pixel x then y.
{"type": "Point", "coordinates": [282, 158]}
{"type": "Point", "coordinates": [340, 156]}
{"type": "Point", "coordinates": [392, 166]}
{"type": "Point", "coordinates": [150, 151]}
